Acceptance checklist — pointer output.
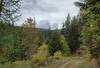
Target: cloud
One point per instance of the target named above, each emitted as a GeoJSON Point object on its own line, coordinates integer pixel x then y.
{"type": "Point", "coordinates": [38, 5]}
{"type": "Point", "coordinates": [54, 11]}
{"type": "Point", "coordinates": [44, 24]}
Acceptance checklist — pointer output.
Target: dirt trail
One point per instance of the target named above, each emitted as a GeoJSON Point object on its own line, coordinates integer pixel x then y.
{"type": "Point", "coordinates": [72, 63]}
{"type": "Point", "coordinates": [65, 64]}
{"type": "Point", "coordinates": [59, 63]}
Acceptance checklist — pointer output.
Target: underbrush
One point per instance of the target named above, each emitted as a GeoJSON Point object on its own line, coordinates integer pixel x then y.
{"type": "Point", "coordinates": [17, 64]}
{"type": "Point", "coordinates": [76, 62]}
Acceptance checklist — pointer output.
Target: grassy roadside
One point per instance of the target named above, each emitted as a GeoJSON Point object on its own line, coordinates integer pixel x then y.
{"type": "Point", "coordinates": [67, 62]}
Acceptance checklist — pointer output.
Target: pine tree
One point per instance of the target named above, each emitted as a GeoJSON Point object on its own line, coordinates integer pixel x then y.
{"type": "Point", "coordinates": [10, 42]}
{"type": "Point", "coordinates": [57, 43]}
{"type": "Point", "coordinates": [71, 31]}
{"type": "Point", "coordinates": [90, 13]}
{"type": "Point", "coordinates": [29, 38]}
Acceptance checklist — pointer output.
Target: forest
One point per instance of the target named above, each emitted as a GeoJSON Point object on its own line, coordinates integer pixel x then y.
{"type": "Point", "coordinates": [75, 45]}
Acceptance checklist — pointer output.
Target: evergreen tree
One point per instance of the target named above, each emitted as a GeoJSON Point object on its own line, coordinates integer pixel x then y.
{"type": "Point", "coordinates": [29, 38]}
{"type": "Point", "coordinates": [10, 42]}
{"type": "Point", "coordinates": [71, 31]}
{"type": "Point", "coordinates": [9, 38]}
{"type": "Point", "coordinates": [57, 43]}
{"type": "Point", "coordinates": [90, 13]}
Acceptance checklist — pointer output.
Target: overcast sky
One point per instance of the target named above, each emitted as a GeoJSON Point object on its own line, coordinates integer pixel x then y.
{"type": "Point", "coordinates": [47, 11]}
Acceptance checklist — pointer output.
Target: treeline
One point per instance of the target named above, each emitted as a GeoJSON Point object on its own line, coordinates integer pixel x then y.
{"type": "Point", "coordinates": [23, 43]}
{"type": "Point", "coordinates": [79, 35]}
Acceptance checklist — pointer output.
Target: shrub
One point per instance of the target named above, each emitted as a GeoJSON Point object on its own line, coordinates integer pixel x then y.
{"type": "Point", "coordinates": [83, 51]}
{"type": "Point", "coordinates": [58, 55]}
{"type": "Point", "coordinates": [17, 64]}
{"type": "Point", "coordinates": [3, 60]}
{"type": "Point", "coordinates": [22, 64]}
{"type": "Point", "coordinates": [41, 57]}
{"type": "Point", "coordinates": [38, 59]}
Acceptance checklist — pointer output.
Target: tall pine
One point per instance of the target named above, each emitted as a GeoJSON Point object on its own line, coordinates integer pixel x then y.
{"type": "Point", "coordinates": [71, 31]}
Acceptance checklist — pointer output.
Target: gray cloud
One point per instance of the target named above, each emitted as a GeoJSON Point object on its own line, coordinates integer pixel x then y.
{"type": "Point", "coordinates": [54, 11]}
{"type": "Point", "coordinates": [44, 24]}
{"type": "Point", "coordinates": [38, 5]}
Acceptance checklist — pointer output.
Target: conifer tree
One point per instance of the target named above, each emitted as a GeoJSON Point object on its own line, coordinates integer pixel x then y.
{"type": "Point", "coordinates": [29, 38]}
{"type": "Point", "coordinates": [90, 13]}
{"type": "Point", "coordinates": [71, 31]}
{"type": "Point", "coordinates": [57, 43]}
